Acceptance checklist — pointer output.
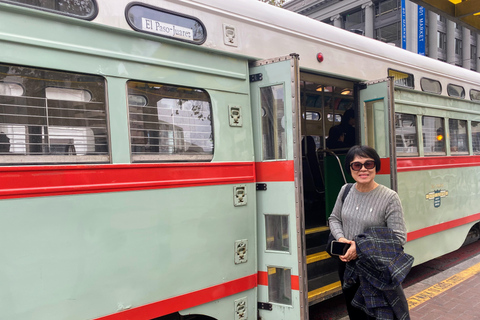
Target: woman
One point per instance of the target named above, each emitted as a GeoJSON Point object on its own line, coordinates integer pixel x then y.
{"type": "Point", "coordinates": [367, 204]}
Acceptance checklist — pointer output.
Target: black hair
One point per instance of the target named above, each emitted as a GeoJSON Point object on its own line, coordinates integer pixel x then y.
{"type": "Point", "coordinates": [347, 115]}
{"type": "Point", "coordinates": [364, 152]}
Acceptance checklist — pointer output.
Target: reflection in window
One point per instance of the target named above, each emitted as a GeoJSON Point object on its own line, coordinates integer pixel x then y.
{"type": "Point", "coordinates": [458, 136]}
{"type": "Point", "coordinates": [433, 136]}
{"type": "Point", "coordinates": [59, 117]}
{"type": "Point", "coordinates": [277, 232]}
{"type": "Point", "coordinates": [475, 95]}
{"type": "Point", "coordinates": [406, 134]}
{"type": "Point", "coordinates": [455, 91]}
{"type": "Point", "coordinates": [476, 137]}
{"type": "Point", "coordinates": [280, 285]}
{"type": "Point", "coordinates": [430, 85]}
{"type": "Point", "coordinates": [312, 116]}
{"type": "Point", "coordinates": [85, 9]}
{"type": "Point", "coordinates": [273, 122]}
{"type": "Point", "coordinates": [169, 123]}
{"type": "Point", "coordinates": [11, 89]}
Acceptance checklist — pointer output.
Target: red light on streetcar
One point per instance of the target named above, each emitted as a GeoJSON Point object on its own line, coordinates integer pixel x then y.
{"type": "Point", "coordinates": [319, 57]}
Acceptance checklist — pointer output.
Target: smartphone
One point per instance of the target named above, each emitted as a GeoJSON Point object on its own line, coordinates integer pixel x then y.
{"type": "Point", "coordinates": [339, 248]}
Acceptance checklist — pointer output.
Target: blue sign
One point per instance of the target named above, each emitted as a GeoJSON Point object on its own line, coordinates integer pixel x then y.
{"type": "Point", "coordinates": [404, 26]}
{"type": "Point", "coordinates": [421, 30]}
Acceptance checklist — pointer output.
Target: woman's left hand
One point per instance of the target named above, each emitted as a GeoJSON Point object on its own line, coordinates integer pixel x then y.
{"type": "Point", "coordinates": [351, 253]}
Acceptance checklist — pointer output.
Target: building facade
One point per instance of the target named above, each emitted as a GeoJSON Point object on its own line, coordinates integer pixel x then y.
{"type": "Point", "coordinates": [401, 23]}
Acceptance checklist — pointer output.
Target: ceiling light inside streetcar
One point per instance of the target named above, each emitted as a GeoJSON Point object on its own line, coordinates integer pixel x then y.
{"type": "Point", "coordinates": [346, 92]}
{"type": "Point", "coordinates": [439, 137]}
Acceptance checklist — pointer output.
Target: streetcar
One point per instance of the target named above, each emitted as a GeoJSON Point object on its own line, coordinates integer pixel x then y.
{"type": "Point", "coordinates": [167, 159]}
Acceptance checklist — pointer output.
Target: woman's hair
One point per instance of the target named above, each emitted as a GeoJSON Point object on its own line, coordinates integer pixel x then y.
{"type": "Point", "coordinates": [363, 152]}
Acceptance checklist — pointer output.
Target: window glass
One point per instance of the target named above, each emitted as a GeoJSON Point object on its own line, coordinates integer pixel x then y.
{"type": "Point", "coordinates": [475, 95]}
{"type": "Point", "coordinates": [389, 34]}
{"type": "Point", "coordinates": [402, 79]}
{"type": "Point", "coordinates": [312, 116]}
{"type": "Point", "coordinates": [169, 123]}
{"type": "Point", "coordinates": [277, 232]}
{"type": "Point", "coordinates": [386, 6]}
{"type": "Point", "coordinates": [60, 117]}
{"type": "Point", "coordinates": [85, 9]}
{"type": "Point", "coordinates": [455, 91]}
{"type": "Point", "coordinates": [433, 136]}
{"type": "Point", "coordinates": [273, 122]}
{"type": "Point", "coordinates": [280, 285]}
{"type": "Point", "coordinates": [476, 137]}
{"type": "Point", "coordinates": [165, 23]}
{"type": "Point", "coordinates": [458, 136]}
{"type": "Point", "coordinates": [10, 89]}
{"type": "Point", "coordinates": [406, 134]}
{"type": "Point", "coordinates": [430, 85]}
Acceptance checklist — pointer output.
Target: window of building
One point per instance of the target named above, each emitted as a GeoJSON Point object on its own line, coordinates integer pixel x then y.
{"type": "Point", "coordinates": [390, 33]}
{"type": "Point", "coordinates": [473, 57]}
{"type": "Point", "coordinates": [458, 136]}
{"type": "Point", "coordinates": [458, 46]}
{"type": "Point", "coordinates": [433, 136]}
{"type": "Point", "coordinates": [430, 85]}
{"type": "Point", "coordinates": [384, 7]}
{"type": "Point", "coordinates": [354, 20]}
{"type": "Point", "coordinates": [442, 40]}
{"type": "Point", "coordinates": [52, 117]}
{"type": "Point", "coordinates": [85, 9]}
{"type": "Point", "coordinates": [406, 134]}
{"type": "Point", "coordinates": [455, 91]}
{"type": "Point", "coordinates": [169, 123]}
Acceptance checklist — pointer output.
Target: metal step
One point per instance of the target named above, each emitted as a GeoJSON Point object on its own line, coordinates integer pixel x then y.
{"type": "Point", "coordinates": [323, 288]}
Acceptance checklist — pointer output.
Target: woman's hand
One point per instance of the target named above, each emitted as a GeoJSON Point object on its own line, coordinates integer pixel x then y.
{"type": "Point", "coordinates": [351, 253]}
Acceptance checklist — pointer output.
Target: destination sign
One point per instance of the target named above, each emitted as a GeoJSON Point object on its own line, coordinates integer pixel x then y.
{"type": "Point", "coordinates": [167, 29]}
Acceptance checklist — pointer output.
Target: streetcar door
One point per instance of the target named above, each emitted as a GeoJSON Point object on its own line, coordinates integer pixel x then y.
{"type": "Point", "coordinates": [274, 87]}
{"type": "Point", "coordinates": [377, 129]}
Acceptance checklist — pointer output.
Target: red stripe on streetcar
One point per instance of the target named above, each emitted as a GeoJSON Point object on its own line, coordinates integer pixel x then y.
{"type": "Point", "coordinates": [432, 163]}
{"type": "Point", "coordinates": [19, 182]}
{"type": "Point", "coordinates": [442, 227]}
{"type": "Point", "coordinates": [189, 300]}
{"type": "Point", "coordinates": [274, 171]}
{"type": "Point", "coordinates": [263, 280]}
{"type": "Point", "coordinates": [384, 166]}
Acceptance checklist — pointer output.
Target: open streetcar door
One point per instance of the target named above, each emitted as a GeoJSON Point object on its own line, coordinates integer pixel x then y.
{"type": "Point", "coordinates": [282, 290]}
{"type": "Point", "coordinates": [377, 122]}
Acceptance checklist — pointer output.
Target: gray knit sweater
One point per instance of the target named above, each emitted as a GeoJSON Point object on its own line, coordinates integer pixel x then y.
{"type": "Point", "coordinates": [380, 207]}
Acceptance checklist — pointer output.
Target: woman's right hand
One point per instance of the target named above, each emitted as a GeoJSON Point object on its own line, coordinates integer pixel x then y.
{"type": "Point", "coordinates": [351, 253]}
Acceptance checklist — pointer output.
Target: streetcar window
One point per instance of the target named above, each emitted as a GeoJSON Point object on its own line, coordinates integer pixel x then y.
{"type": "Point", "coordinates": [11, 89]}
{"type": "Point", "coordinates": [85, 9]}
{"type": "Point", "coordinates": [312, 116]}
{"type": "Point", "coordinates": [476, 137]}
{"type": "Point", "coordinates": [406, 135]}
{"type": "Point", "coordinates": [455, 91]}
{"type": "Point", "coordinates": [280, 285]}
{"type": "Point", "coordinates": [458, 136]}
{"type": "Point", "coordinates": [165, 23]}
{"type": "Point", "coordinates": [402, 79]}
{"type": "Point", "coordinates": [67, 94]}
{"type": "Point", "coordinates": [169, 123]}
{"type": "Point", "coordinates": [475, 95]}
{"type": "Point", "coordinates": [433, 136]}
{"type": "Point", "coordinates": [59, 117]}
{"type": "Point", "coordinates": [277, 233]}
{"type": "Point", "coordinates": [430, 85]}
{"type": "Point", "coordinates": [273, 123]}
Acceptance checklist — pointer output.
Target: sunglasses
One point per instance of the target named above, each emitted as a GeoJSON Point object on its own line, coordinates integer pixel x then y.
{"type": "Point", "coordinates": [357, 166]}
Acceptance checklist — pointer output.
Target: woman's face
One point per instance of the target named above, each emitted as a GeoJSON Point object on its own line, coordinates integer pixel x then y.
{"type": "Point", "coordinates": [364, 175]}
